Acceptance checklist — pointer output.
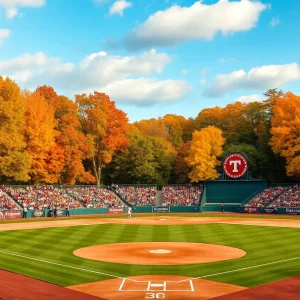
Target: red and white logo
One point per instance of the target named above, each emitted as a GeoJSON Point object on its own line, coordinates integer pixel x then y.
{"type": "Point", "coordinates": [235, 165]}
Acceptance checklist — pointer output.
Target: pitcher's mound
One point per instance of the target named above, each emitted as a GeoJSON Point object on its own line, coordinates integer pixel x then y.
{"type": "Point", "coordinates": [160, 253]}
{"type": "Point", "coordinates": [157, 287]}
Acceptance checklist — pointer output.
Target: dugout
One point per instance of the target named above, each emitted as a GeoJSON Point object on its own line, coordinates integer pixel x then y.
{"type": "Point", "coordinates": [230, 193]}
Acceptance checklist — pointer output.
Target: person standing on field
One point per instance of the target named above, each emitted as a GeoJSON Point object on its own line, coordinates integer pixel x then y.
{"type": "Point", "coordinates": [25, 212]}
{"type": "Point", "coordinates": [68, 211]}
{"type": "Point", "coordinates": [129, 212]}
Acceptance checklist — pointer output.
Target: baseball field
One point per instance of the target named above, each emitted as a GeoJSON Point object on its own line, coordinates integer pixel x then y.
{"type": "Point", "coordinates": [199, 256]}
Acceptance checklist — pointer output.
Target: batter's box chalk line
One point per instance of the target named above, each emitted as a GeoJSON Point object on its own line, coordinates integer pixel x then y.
{"type": "Point", "coordinates": [129, 279]}
{"type": "Point", "coordinates": [154, 286]}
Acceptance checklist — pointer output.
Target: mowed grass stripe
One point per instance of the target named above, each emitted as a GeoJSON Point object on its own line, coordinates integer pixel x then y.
{"type": "Point", "coordinates": [263, 244]}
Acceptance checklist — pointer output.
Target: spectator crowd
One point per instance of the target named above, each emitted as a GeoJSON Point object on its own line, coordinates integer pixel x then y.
{"type": "Point", "coordinates": [265, 197]}
{"type": "Point", "coordinates": [181, 195]}
{"type": "Point", "coordinates": [138, 196]}
{"type": "Point", "coordinates": [289, 198]}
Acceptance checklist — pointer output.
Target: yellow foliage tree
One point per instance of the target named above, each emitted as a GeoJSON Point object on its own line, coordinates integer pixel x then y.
{"type": "Point", "coordinates": [14, 159]}
{"type": "Point", "coordinates": [285, 132]}
{"type": "Point", "coordinates": [47, 157]}
{"type": "Point", "coordinates": [205, 148]}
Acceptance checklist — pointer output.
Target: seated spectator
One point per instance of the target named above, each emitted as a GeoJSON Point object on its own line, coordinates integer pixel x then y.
{"type": "Point", "coordinates": [265, 197]}
{"type": "Point", "coordinates": [95, 197]}
{"type": "Point", "coordinates": [289, 198]}
{"type": "Point", "coordinates": [181, 195]}
{"type": "Point", "coordinates": [138, 195]}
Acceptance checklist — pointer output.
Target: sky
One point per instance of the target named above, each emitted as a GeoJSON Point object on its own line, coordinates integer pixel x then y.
{"type": "Point", "coordinates": [153, 57]}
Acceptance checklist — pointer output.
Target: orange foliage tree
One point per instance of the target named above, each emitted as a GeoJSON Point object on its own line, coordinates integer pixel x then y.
{"type": "Point", "coordinates": [69, 137]}
{"type": "Point", "coordinates": [104, 126]}
{"type": "Point", "coordinates": [285, 132]}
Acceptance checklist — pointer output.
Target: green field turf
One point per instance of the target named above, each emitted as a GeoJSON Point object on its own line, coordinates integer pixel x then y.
{"type": "Point", "coordinates": [264, 246]}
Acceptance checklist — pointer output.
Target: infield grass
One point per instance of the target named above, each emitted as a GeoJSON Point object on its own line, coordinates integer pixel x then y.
{"type": "Point", "coordinates": [264, 245]}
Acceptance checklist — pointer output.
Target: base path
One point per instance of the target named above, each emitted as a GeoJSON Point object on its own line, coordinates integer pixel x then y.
{"type": "Point", "coordinates": [160, 253]}
{"type": "Point", "coordinates": [14, 286]}
{"type": "Point", "coordinates": [280, 290]}
{"type": "Point", "coordinates": [157, 287]}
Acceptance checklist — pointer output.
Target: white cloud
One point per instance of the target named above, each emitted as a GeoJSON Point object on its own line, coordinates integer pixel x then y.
{"type": "Point", "coordinates": [250, 98]}
{"type": "Point", "coordinates": [11, 6]}
{"type": "Point", "coordinates": [274, 22]}
{"type": "Point", "coordinates": [4, 34]}
{"type": "Point", "coordinates": [199, 21]}
{"type": "Point", "coordinates": [264, 77]}
{"type": "Point", "coordinates": [101, 68]}
{"type": "Point", "coordinates": [32, 70]}
{"type": "Point", "coordinates": [143, 91]}
{"type": "Point", "coordinates": [119, 76]}
{"type": "Point", "coordinates": [11, 13]}
{"type": "Point", "coordinates": [119, 6]}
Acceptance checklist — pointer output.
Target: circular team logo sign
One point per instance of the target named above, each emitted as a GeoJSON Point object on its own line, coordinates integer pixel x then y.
{"type": "Point", "coordinates": [235, 165]}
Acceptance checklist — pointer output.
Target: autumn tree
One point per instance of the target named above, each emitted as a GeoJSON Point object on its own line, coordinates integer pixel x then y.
{"type": "Point", "coordinates": [69, 137]}
{"type": "Point", "coordinates": [14, 158]}
{"type": "Point", "coordinates": [181, 168]}
{"type": "Point", "coordinates": [285, 132]}
{"type": "Point", "coordinates": [105, 128]}
{"type": "Point", "coordinates": [176, 127]}
{"type": "Point", "coordinates": [47, 157]}
{"type": "Point", "coordinates": [206, 147]}
{"type": "Point", "coordinates": [146, 160]}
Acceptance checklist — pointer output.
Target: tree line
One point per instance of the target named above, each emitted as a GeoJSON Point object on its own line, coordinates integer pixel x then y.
{"type": "Point", "coordinates": [46, 138]}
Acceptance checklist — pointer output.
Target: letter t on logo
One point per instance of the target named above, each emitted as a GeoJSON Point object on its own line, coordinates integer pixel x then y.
{"type": "Point", "coordinates": [235, 163]}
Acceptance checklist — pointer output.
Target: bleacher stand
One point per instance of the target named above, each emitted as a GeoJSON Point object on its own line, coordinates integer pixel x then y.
{"type": "Point", "coordinates": [138, 195]}
{"type": "Point", "coordinates": [95, 197]}
{"type": "Point", "coordinates": [6, 203]}
{"type": "Point", "coordinates": [266, 196]}
{"type": "Point", "coordinates": [289, 198]}
{"type": "Point", "coordinates": [42, 197]}
{"type": "Point", "coordinates": [181, 195]}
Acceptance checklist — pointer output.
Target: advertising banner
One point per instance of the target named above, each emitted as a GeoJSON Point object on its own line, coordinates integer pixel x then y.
{"type": "Point", "coordinates": [38, 214]}
{"type": "Point", "coordinates": [293, 211]}
{"type": "Point", "coordinates": [269, 210]}
{"type": "Point", "coordinates": [161, 209]}
{"type": "Point", "coordinates": [250, 209]}
{"type": "Point", "coordinates": [13, 214]}
{"type": "Point", "coordinates": [61, 212]}
{"type": "Point", "coordinates": [116, 210]}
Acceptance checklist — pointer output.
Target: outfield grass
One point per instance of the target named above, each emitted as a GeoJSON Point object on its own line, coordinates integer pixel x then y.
{"type": "Point", "coordinates": [262, 244]}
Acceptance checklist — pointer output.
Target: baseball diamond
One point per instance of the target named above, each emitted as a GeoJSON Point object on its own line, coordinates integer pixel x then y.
{"type": "Point", "coordinates": [174, 256]}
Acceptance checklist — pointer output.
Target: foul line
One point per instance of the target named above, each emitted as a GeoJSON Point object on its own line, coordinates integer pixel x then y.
{"type": "Point", "coordinates": [114, 276]}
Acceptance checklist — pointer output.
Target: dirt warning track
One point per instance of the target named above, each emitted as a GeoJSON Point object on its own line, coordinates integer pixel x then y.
{"type": "Point", "coordinates": [155, 220]}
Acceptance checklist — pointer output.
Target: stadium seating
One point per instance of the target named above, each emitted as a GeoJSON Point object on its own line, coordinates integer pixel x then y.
{"type": "Point", "coordinates": [181, 195]}
{"type": "Point", "coordinates": [95, 197]}
{"type": "Point", "coordinates": [265, 197]}
{"type": "Point", "coordinates": [6, 203]}
{"type": "Point", "coordinates": [289, 198]}
{"type": "Point", "coordinates": [138, 195]}
{"type": "Point", "coordinates": [42, 197]}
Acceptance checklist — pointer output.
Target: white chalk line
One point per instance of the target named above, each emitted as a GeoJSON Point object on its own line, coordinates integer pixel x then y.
{"type": "Point", "coordinates": [118, 277]}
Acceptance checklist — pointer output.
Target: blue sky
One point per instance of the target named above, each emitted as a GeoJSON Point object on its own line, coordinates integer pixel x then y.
{"type": "Point", "coordinates": [153, 57]}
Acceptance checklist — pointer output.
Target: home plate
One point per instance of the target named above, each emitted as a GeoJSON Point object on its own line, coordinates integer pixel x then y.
{"type": "Point", "coordinates": [160, 251]}
{"type": "Point", "coordinates": [157, 287]}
